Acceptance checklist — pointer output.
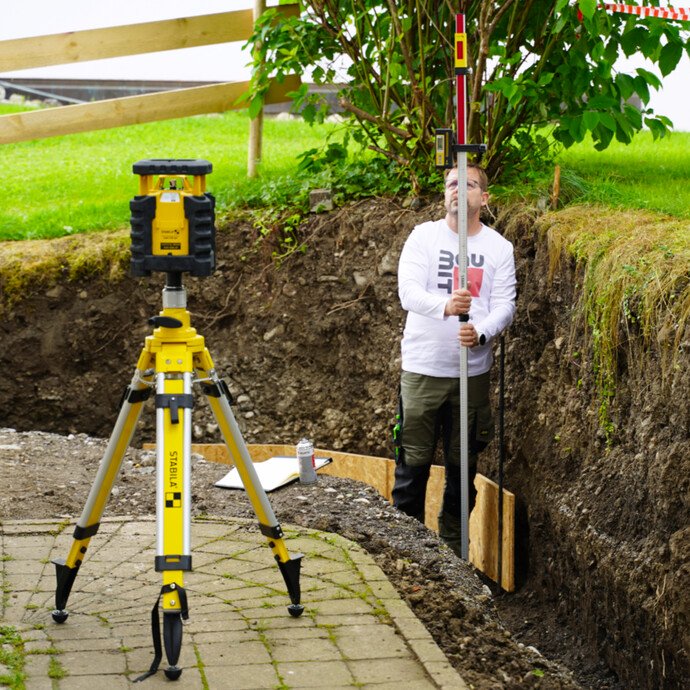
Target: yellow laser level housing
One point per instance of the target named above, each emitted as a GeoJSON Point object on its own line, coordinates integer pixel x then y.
{"type": "Point", "coordinates": [172, 222]}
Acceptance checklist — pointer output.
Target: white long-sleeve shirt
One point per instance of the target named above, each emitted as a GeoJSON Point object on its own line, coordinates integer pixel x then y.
{"type": "Point", "coordinates": [428, 273]}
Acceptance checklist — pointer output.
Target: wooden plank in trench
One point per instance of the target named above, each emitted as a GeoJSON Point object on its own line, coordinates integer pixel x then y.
{"type": "Point", "coordinates": [379, 473]}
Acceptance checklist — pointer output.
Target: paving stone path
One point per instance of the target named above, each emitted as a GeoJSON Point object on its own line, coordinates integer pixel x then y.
{"type": "Point", "coordinates": [355, 631]}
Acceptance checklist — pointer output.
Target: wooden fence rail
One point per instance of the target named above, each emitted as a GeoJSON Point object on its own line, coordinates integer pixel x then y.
{"type": "Point", "coordinates": [134, 39]}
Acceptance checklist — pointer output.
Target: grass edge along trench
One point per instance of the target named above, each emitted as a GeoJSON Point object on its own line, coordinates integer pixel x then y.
{"type": "Point", "coordinates": [635, 283]}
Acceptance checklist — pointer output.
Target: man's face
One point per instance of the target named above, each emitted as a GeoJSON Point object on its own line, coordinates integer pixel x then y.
{"type": "Point", "coordinates": [475, 197]}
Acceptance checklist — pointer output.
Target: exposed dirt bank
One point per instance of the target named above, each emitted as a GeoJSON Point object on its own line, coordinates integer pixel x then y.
{"type": "Point", "coordinates": [312, 349]}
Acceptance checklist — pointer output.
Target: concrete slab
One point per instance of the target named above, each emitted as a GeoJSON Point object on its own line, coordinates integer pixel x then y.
{"type": "Point", "coordinates": [355, 630]}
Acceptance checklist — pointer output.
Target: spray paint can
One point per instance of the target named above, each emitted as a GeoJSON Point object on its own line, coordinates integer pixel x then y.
{"type": "Point", "coordinates": [306, 461]}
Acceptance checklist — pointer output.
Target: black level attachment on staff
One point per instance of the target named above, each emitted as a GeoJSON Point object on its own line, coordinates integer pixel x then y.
{"type": "Point", "coordinates": [446, 148]}
{"type": "Point", "coordinates": [173, 218]}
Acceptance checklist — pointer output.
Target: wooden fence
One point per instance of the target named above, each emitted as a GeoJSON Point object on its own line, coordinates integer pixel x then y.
{"type": "Point", "coordinates": [134, 39]}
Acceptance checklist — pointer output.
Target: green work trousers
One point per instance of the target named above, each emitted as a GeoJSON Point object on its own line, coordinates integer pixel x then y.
{"type": "Point", "coordinates": [431, 412]}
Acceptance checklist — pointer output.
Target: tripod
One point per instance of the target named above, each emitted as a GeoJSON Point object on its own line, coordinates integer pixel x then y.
{"type": "Point", "coordinates": [173, 358]}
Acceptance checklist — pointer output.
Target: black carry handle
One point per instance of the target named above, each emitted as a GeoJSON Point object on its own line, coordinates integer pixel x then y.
{"type": "Point", "coordinates": [172, 166]}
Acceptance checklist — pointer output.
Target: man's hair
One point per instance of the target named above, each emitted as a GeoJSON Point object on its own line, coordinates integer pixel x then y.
{"type": "Point", "coordinates": [481, 173]}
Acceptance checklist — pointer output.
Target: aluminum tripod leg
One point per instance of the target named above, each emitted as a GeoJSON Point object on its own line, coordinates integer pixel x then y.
{"type": "Point", "coordinates": [173, 496]}
{"type": "Point", "coordinates": [89, 522]}
{"type": "Point", "coordinates": [219, 399]}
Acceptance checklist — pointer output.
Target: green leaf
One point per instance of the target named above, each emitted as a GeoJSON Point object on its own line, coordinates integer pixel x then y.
{"type": "Point", "coordinates": [632, 40]}
{"type": "Point", "coordinates": [255, 106]}
{"type": "Point", "coordinates": [624, 131]}
{"type": "Point", "coordinates": [611, 52]}
{"type": "Point", "coordinates": [300, 93]}
{"type": "Point", "coordinates": [669, 57]}
{"type": "Point", "coordinates": [634, 116]}
{"type": "Point", "coordinates": [641, 89]}
{"type": "Point", "coordinates": [602, 102]}
{"type": "Point", "coordinates": [608, 121]}
{"type": "Point", "coordinates": [590, 119]}
{"type": "Point", "coordinates": [602, 137]}
{"type": "Point", "coordinates": [649, 77]}
{"type": "Point", "coordinates": [656, 127]}
{"type": "Point", "coordinates": [625, 84]}
{"type": "Point", "coordinates": [587, 7]}
{"type": "Point", "coordinates": [309, 113]}
{"type": "Point", "coordinates": [563, 136]}
{"type": "Point", "coordinates": [576, 129]}
{"type": "Point", "coordinates": [317, 74]}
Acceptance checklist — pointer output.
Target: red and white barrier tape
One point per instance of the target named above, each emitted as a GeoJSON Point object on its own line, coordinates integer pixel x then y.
{"type": "Point", "coordinates": [682, 14]}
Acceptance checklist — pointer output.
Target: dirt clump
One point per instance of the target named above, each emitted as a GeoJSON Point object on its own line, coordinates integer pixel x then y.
{"type": "Point", "coordinates": [312, 348]}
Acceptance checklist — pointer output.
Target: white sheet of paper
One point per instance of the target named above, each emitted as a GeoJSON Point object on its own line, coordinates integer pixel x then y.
{"type": "Point", "coordinates": [273, 473]}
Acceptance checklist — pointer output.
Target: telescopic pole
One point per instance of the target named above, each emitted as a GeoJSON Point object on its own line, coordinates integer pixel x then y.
{"type": "Point", "coordinates": [501, 455]}
{"type": "Point", "coordinates": [461, 97]}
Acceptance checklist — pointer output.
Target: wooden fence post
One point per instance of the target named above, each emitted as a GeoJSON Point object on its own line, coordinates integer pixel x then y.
{"type": "Point", "coordinates": [257, 124]}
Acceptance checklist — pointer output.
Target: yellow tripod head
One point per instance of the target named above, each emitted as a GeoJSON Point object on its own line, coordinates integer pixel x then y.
{"type": "Point", "coordinates": [172, 222]}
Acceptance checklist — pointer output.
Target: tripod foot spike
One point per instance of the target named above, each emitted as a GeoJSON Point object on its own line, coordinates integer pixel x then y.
{"type": "Point", "coordinates": [290, 571]}
{"type": "Point", "coordinates": [65, 576]}
{"type": "Point", "coordinates": [172, 640]}
{"type": "Point", "coordinates": [295, 610]}
{"type": "Point", "coordinates": [60, 616]}
{"type": "Point", "coordinates": [173, 672]}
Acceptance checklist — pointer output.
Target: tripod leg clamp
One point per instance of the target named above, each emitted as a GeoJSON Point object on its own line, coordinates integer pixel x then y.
{"type": "Point", "coordinates": [162, 563]}
{"type": "Point", "coordinates": [216, 390]}
{"type": "Point", "coordinates": [174, 402]}
{"type": "Point", "coordinates": [135, 395]}
{"type": "Point", "coordinates": [275, 532]}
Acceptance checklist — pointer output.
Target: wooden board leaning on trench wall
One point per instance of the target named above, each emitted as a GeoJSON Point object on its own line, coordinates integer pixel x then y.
{"type": "Point", "coordinates": [379, 473]}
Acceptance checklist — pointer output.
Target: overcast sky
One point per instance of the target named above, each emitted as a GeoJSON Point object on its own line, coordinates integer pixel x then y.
{"type": "Point", "coordinates": [214, 63]}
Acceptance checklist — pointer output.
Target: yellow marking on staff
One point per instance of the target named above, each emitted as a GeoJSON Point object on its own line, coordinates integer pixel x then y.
{"type": "Point", "coordinates": [461, 50]}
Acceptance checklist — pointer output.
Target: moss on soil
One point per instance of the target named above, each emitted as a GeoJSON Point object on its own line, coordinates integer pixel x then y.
{"type": "Point", "coordinates": [29, 266]}
{"type": "Point", "coordinates": [636, 279]}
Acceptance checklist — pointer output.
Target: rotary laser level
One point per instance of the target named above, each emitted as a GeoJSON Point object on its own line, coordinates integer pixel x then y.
{"type": "Point", "coordinates": [172, 218]}
{"type": "Point", "coordinates": [173, 231]}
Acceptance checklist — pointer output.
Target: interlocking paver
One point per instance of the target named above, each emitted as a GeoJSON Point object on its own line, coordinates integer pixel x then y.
{"type": "Point", "coordinates": [371, 642]}
{"type": "Point", "coordinates": [242, 677]}
{"type": "Point", "coordinates": [313, 674]}
{"type": "Point", "coordinates": [387, 670]}
{"type": "Point", "coordinates": [355, 630]}
{"type": "Point", "coordinates": [304, 650]}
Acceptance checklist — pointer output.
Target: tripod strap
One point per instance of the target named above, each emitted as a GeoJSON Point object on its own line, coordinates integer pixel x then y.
{"type": "Point", "coordinates": [156, 627]}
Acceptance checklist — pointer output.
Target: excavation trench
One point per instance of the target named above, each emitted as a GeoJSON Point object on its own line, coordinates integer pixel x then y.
{"type": "Point", "coordinates": [311, 348]}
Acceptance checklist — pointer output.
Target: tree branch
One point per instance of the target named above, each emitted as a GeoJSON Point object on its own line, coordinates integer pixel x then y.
{"type": "Point", "coordinates": [364, 115]}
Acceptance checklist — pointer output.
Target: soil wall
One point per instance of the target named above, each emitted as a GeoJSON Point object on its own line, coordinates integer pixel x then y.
{"type": "Point", "coordinates": [312, 349]}
{"type": "Point", "coordinates": [606, 511]}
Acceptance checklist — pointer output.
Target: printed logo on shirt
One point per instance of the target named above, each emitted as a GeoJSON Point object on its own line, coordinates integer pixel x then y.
{"type": "Point", "coordinates": [448, 278]}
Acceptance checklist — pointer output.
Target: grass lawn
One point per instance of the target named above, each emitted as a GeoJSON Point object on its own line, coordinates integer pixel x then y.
{"type": "Point", "coordinates": [83, 182]}
{"type": "Point", "coordinates": [648, 174]}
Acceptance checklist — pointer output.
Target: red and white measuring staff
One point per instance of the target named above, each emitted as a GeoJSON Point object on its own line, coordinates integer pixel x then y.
{"type": "Point", "coordinates": [461, 140]}
{"type": "Point", "coordinates": [682, 14]}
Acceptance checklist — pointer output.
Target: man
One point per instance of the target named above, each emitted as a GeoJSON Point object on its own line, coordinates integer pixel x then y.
{"type": "Point", "coordinates": [429, 386]}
